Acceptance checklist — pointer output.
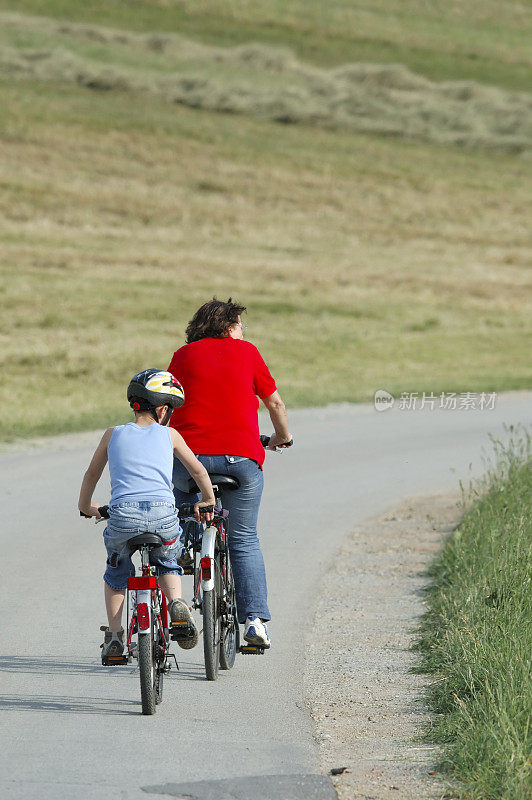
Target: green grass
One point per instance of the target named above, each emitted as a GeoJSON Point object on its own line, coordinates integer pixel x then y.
{"type": "Point", "coordinates": [482, 40]}
{"type": "Point", "coordinates": [476, 637]}
{"type": "Point", "coordinates": [266, 82]}
{"type": "Point", "coordinates": [365, 261]}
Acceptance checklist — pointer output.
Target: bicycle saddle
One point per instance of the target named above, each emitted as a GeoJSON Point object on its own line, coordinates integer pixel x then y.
{"type": "Point", "coordinates": [221, 481]}
{"type": "Point", "coordinates": [151, 539]}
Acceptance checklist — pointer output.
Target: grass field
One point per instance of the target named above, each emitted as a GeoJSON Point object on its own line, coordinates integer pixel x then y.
{"type": "Point", "coordinates": [268, 83]}
{"type": "Point", "coordinates": [365, 261]}
{"type": "Point", "coordinates": [476, 638]}
{"type": "Point", "coordinates": [481, 40]}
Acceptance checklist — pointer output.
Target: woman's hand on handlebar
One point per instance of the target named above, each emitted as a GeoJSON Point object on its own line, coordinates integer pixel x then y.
{"type": "Point", "coordinates": [208, 514]}
{"type": "Point", "coordinates": [281, 442]}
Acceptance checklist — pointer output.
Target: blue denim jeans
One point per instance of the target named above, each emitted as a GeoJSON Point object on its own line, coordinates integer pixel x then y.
{"type": "Point", "coordinates": [243, 504]}
{"type": "Point", "coordinates": [127, 520]}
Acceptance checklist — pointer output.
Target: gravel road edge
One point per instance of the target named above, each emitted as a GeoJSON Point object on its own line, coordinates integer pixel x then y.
{"type": "Point", "coordinates": [365, 702]}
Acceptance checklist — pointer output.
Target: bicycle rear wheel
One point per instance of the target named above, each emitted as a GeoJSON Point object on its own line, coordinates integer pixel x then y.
{"type": "Point", "coordinates": [148, 671]}
{"type": "Point", "coordinates": [230, 638]}
{"type": "Point", "coordinates": [211, 625]}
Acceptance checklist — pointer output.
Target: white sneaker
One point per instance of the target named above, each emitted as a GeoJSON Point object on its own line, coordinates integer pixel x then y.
{"type": "Point", "coordinates": [256, 632]}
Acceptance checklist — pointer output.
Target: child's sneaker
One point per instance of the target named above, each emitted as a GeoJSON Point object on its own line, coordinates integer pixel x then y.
{"type": "Point", "coordinates": [256, 632]}
{"type": "Point", "coordinates": [113, 643]}
{"type": "Point", "coordinates": [180, 612]}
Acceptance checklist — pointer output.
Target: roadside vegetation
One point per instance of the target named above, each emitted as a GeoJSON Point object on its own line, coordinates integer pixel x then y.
{"type": "Point", "coordinates": [476, 637]}
{"type": "Point", "coordinates": [366, 261]}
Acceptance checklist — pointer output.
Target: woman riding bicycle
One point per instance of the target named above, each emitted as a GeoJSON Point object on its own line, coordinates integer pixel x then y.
{"type": "Point", "coordinates": [223, 376]}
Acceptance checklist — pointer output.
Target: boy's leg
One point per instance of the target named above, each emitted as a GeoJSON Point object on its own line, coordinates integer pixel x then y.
{"type": "Point", "coordinates": [165, 522]}
{"type": "Point", "coordinates": [171, 586]}
{"type": "Point", "coordinates": [114, 604]}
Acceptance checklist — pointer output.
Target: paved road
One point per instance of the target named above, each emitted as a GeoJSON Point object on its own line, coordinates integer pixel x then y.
{"type": "Point", "coordinates": [71, 729]}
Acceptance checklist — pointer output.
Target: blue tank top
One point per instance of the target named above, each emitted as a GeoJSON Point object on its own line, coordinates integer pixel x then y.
{"type": "Point", "coordinates": [140, 463]}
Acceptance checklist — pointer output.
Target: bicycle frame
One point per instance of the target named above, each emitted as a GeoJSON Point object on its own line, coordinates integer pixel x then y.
{"type": "Point", "coordinates": [146, 600]}
{"type": "Point", "coordinates": [204, 571]}
{"type": "Point", "coordinates": [208, 545]}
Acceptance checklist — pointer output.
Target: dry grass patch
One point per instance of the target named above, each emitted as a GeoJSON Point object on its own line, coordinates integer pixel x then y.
{"type": "Point", "coordinates": [364, 263]}
{"type": "Point", "coordinates": [267, 82]}
{"type": "Point", "coordinates": [483, 40]}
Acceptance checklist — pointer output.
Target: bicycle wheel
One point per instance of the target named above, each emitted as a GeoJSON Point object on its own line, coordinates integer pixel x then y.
{"type": "Point", "coordinates": [148, 672]}
{"type": "Point", "coordinates": [159, 668]}
{"type": "Point", "coordinates": [211, 626]}
{"type": "Point", "coordinates": [230, 639]}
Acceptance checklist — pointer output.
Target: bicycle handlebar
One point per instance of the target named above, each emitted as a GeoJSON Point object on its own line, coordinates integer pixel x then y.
{"type": "Point", "coordinates": [265, 441]}
{"type": "Point", "coordinates": [102, 510]}
{"type": "Point", "coordinates": [186, 510]}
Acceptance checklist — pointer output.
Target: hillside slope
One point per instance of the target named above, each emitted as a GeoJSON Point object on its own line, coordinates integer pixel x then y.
{"type": "Point", "coordinates": [266, 82]}
{"type": "Point", "coordinates": [483, 40]}
{"type": "Point", "coordinates": [366, 261]}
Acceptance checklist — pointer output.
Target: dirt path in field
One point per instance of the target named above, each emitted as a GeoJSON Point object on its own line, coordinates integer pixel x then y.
{"type": "Point", "coordinates": [364, 701]}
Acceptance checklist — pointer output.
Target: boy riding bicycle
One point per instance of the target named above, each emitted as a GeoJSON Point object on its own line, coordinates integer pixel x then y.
{"type": "Point", "coordinates": [140, 456]}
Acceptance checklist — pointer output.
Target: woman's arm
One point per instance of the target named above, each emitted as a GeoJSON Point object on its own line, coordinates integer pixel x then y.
{"type": "Point", "coordinates": [93, 475]}
{"type": "Point", "coordinates": [196, 469]}
{"type": "Point", "coordinates": [279, 419]}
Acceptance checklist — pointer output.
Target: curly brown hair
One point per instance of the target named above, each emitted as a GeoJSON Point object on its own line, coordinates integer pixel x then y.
{"type": "Point", "coordinates": [213, 319]}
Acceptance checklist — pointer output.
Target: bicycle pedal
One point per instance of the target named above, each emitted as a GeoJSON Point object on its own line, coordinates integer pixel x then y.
{"type": "Point", "coordinates": [188, 570]}
{"type": "Point", "coordinates": [181, 630]}
{"type": "Point", "coordinates": [114, 661]}
{"type": "Point", "coordinates": [252, 650]}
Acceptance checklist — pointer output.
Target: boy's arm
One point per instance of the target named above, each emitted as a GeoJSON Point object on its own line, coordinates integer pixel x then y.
{"type": "Point", "coordinates": [93, 475]}
{"type": "Point", "coordinates": [195, 469]}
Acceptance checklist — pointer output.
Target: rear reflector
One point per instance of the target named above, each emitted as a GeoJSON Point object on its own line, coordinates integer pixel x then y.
{"type": "Point", "coordinates": [206, 568]}
{"type": "Point", "coordinates": [142, 582]}
{"type": "Point", "coordinates": [143, 616]}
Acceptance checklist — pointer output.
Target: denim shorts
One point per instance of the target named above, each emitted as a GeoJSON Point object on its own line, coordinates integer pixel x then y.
{"type": "Point", "coordinates": [129, 519]}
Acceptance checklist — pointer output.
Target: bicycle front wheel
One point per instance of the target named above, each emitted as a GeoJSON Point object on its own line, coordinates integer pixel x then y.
{"type": "Point", "coordinates": [211, 626]}
{"type": "Point", "coordinates": [160, 661]}
{"type": "Point", "coordinates": [230, 632]}
{"type": "Point", "coordinates": [148, 672]}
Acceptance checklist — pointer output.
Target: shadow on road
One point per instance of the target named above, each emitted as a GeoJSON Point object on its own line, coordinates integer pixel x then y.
{"type": "Point", "coordinates": [267, 787]}
{"type": "Point", "coordinates": [70, 705]}
{"type": "Point", "coordinates": [52, 666]}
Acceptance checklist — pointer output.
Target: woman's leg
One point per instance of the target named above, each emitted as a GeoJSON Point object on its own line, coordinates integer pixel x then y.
{"type": "Point", "coordinates": [247, 561]}
{"type": "Point", "coordinates": [243, 504]}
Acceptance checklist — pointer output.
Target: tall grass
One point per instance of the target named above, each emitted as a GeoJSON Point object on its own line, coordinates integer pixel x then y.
{"type": "Point", "coordinates": [482, 40]}
{"type": "Point", "coordinates": [476, 637]}
{"type": "Point", "coordinates": [267, 82]}
{"type": "Point", "coordinates": [365, 262]}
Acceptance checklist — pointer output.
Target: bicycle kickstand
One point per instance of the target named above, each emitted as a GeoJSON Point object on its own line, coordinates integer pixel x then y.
{"type": "Point", "coordinates": [172, 655]}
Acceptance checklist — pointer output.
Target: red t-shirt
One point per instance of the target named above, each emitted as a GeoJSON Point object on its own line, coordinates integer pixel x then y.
{"type": "Point", "coordinates": [221, 379]}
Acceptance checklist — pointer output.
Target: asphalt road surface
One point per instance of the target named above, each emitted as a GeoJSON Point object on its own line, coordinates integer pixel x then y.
{"type": "Point", "coordinates": [73, 729]}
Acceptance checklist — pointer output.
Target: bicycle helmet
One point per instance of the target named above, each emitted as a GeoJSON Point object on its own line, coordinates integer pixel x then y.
{"type": "Point", "coordinates": [152, 388]}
